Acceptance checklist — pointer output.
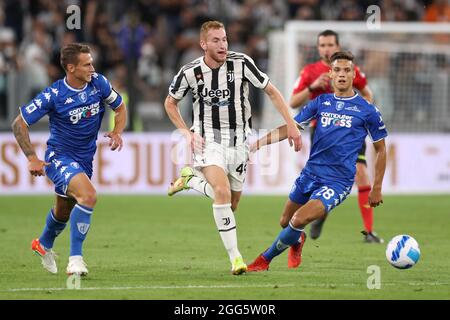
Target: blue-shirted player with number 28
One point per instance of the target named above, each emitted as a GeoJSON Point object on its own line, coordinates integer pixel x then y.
{"type": "Point", "coordinates": [75, 106]}
{"type": "Point", "coordinates": [344, 119]}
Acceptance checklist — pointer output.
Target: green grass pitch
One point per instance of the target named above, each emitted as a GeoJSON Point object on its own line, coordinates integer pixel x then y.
{"type": "Point", "coordinates": [151, 247]}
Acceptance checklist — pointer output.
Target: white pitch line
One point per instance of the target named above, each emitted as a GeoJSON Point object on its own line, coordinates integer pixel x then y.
{"type": "Point", "coordinates": [316, 285]}
{"type": "Point", "coordinates": [153, 287]}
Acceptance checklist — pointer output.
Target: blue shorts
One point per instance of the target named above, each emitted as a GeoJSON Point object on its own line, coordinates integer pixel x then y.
{"type": "Point", "coordinates": [308, 187]}
{"type": "Point", "coordinates": [62, 169]}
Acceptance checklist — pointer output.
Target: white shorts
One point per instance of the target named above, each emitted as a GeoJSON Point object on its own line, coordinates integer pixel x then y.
{"type": "Point", "coordinates": [233, 160]}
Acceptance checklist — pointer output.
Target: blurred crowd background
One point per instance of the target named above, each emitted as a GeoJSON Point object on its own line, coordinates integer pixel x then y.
{"type": "Point", "coordinates": [140, 44]}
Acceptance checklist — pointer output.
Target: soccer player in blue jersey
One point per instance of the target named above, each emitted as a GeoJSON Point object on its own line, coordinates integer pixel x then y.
{"type": "Point", "coordinates": [75, 106]}
{"type": "Point", "coordinates": [343, 121]}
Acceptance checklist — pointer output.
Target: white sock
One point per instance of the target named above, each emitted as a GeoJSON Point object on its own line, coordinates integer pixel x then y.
{"type": "Point", "coordinates": [202, 186]}
{"type": "Point", "coordinates": [226, 224]}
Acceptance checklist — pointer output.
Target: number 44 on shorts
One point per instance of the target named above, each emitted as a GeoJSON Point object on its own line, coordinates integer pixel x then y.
{"type": "Point", "coordinates": [242, 168]}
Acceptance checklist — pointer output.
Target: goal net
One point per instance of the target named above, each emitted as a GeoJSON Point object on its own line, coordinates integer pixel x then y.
{"type": "Point", "coordinates": [407, 66]}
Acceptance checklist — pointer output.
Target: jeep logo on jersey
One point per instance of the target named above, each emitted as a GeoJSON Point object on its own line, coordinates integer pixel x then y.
{"type": "Point", "coordinates": [215, 93]}
{"type": "Point", "coordinates": [337, 120]}
{"type": "Point", "coordinates": [84, 112]}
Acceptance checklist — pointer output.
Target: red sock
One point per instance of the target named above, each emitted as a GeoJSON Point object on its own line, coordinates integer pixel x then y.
{"type": "Point", "coordinates": [365, 208]}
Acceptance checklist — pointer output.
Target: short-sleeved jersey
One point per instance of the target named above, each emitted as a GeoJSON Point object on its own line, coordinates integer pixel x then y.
{"type": "Point", "coordinates": [342, 126]}
{"type": "Point", "coordinates": [312, 71]}
{"type": "Point", "coordinates": [221, 108]}
{"type": "Point", "coordinates": [75, 115]}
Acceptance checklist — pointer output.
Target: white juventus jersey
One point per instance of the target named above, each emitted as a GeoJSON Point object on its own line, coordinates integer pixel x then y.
{"type": "Point", "coordinates": [221, 109]}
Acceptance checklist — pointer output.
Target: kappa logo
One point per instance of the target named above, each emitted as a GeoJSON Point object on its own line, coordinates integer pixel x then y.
{"type": "Point", "coordinates": [67, 175]}
{"type": "Point", "coordinates": [69, 100]}
{"type": "Point", "coordinates": [57, 163]}
{"type": "Point", "coordinates": [55, 91]}
{"type": "Point", "coordinates": [47, 96]}
{"type": "Point", "coordinates": [38, 102]}
{"type": "Point", "coordinates": [63, 169]}
{"type": "Point", "coordinates": [51, 154]}
{"type": "Point", "coordinates": [83, 227]}
{"type": "Point", "coordinates": [94, 91]}
{"type": "Point", "coordinates": [327, 103]}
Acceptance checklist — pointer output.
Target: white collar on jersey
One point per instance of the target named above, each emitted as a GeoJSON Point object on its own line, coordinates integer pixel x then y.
{"type": "Point", "coordinates": [72, 88]}
{"type": "Point", "coordinates": [345, 98]}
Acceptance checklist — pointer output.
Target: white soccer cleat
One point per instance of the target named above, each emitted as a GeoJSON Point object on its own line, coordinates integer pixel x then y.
{"type": "Point", "coordinates": [77, 266]}
{"type": "Point", "coordinates": [47, 256]}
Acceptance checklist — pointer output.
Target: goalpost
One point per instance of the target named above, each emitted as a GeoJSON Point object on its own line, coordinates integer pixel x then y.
{"type": "Point", "coordinates": [407, 66]}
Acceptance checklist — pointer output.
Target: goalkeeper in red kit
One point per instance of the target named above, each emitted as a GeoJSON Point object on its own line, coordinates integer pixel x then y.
{"type": "Point", "coordinates": [313, 81]}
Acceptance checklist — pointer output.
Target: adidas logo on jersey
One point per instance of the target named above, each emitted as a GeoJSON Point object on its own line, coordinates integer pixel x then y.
{"type": "Point", "coordinates": [69, 100]}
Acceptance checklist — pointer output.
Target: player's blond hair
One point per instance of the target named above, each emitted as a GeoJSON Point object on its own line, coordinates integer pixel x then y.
{"type": "Point", "coordinates": [210, 25]}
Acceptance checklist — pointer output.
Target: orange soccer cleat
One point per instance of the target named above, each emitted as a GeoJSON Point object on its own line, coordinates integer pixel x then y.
{"type": "Point", "coordinates": [260, 264]}
{"type": "Point", "coordinates": [47, 256]}
{"type": "Point", "coordinates": [295, 253]}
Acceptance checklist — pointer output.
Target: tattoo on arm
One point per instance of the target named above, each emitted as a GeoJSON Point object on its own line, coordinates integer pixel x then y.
{"type": "Point", "coordinates": [23, 138]}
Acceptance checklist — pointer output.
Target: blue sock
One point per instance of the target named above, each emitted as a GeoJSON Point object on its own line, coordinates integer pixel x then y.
{"type": "Point", "coordinates": [80, 221]}
{"type": "Point", "coordinates": [287, 237]}
{"type": "Point", "coordinates": [52, 229]}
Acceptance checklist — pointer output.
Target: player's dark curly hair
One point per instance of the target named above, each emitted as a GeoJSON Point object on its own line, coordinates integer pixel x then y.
{"type": "Point", "coordinates": [346, 55]}
{"type": "Point", "coordinates": [70, 53]}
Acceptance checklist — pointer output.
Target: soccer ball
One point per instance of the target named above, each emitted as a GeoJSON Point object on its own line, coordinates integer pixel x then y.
{"type": "Point", "coordinates": [403, 251]}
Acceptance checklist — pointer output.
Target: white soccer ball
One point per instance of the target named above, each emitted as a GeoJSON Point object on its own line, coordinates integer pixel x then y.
{"type": "Point", "coordinates": [403, 251]}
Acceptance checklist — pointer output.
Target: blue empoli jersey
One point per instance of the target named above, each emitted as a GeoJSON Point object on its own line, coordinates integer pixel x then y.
{"type": "Point", "coordinates": [342, 126]}
{"type": "Point", "coordinates": [75, 115]}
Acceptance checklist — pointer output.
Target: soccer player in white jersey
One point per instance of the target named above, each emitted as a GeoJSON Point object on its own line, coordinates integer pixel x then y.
{"type": "Point", "coordinates": [221, 122]}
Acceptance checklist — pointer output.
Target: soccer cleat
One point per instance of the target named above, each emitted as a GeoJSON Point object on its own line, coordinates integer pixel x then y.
{"type": "Point", "coordinates": [47, 256]}
{"type": "Point", "coordinates": [316, 228]}
{"type": "Point", "coordinates": [371, 237]}
{"type": "Point", "coordinates": [77, 266]}
{"type": "Point", "coordinates": [295, 253]}
{"type": "Point", "coordinates": [260, 264]}
{"type": "Point", "coordinates": [238, 266]}
{"type": "Point", "coordinates": [181, 183]}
